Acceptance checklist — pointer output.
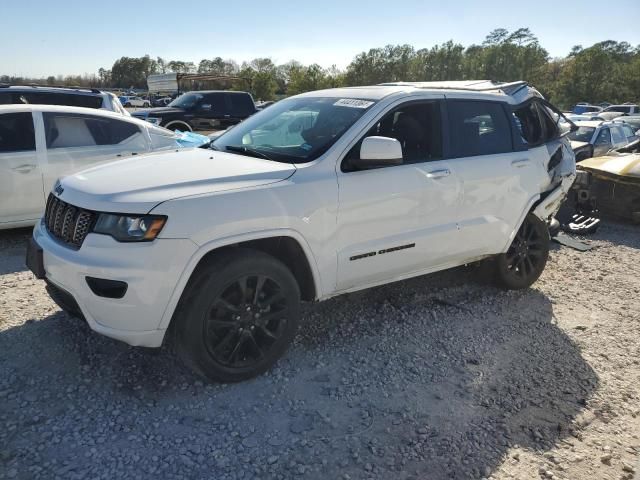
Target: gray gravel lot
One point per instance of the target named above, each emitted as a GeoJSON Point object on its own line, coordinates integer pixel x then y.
{"type": "Point", "coordinates": [439, 377]}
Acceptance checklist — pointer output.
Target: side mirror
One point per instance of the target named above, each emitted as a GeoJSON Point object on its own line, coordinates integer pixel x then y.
{"type": "Point", "coordinates": [379, 152]}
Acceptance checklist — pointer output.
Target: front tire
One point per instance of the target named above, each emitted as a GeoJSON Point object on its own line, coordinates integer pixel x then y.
{"type": "Point", "coordinates": [238, 315]}
{"type": "Point", "coordinates": [526, 257]}
{"type": "Point", "coordinates": [182, 126]}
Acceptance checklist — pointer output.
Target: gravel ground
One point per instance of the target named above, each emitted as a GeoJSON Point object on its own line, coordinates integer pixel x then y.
{"type": "Point", "coordinates": [440, 377]}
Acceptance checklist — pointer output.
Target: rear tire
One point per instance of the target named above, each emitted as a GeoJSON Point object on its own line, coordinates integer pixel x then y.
{"type": "Point", "coordinates": [238, 315]}
{"type": "Point", "coordinates": [526, 257]}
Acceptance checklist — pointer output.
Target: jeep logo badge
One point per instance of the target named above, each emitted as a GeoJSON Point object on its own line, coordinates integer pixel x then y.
{"type": "Point", "coordinates": [58, 189]}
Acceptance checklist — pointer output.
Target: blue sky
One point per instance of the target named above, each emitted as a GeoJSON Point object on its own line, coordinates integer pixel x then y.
{"type": "Point", "coordinates": [44, 37]}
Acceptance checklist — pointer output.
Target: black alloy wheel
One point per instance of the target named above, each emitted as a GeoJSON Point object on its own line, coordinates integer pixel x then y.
{"type": "Point", "coordinates": [527, 255]}
{"type": "Point", "coordinates": [245, 321]}
{"type": "Point", "coordinates": [237, 316]}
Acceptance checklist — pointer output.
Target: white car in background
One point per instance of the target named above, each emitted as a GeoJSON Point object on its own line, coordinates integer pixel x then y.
{"type": "Point", "coordinates": [52, 95]}
{"type": "Point", "coordinates": [134, 102]}
{"type": "Point", "coordinates": [39, 143]}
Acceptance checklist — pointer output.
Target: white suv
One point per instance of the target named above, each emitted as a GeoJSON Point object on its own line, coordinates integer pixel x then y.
{"type": "Point", "coordinates": [70, 96]}
{"type": "Point", "coordinates": [320, 194]}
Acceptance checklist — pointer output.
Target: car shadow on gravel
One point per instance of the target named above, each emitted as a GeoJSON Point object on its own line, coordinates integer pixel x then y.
{"type": "Point", "coordinates": [435, 377]}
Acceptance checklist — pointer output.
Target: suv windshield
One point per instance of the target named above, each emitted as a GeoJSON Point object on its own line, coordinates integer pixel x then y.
{"type": "Point", "coordinates": [297, 130]}
{"type": "Point", "coordinates": [582, 134]}
{"type": "Point", "coordinates": [187, 100]}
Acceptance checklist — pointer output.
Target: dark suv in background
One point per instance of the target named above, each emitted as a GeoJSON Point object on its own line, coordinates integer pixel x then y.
{"type": "Point", "coordinates": [211, 109]}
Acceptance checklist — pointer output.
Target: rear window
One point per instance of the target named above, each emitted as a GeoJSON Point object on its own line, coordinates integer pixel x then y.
{"type": "Point", "coordinates": [16, 132]}
{"type": "Point", "coordinates": [64, 130]}
{"type": "Point", "coordinates": [529, 124]}
{"type": "Point", "coordinates": [478, 128]}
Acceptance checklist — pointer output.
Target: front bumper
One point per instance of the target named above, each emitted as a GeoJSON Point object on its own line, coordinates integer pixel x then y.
{"type": "Point", "coordinates": [151, 271]}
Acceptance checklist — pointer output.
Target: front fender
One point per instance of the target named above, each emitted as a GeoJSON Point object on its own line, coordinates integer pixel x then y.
{"type": "Point", "coordinates": [227, 241]}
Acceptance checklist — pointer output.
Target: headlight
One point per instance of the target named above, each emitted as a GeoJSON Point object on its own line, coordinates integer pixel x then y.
{"type": "Point", "coordinates": [154, 120]}
{"type": "Point", "coordinates": [130, 228]}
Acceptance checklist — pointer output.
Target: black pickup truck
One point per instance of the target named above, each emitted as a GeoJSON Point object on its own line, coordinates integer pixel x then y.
{"type": "Point", "coordinates": [212, 109]}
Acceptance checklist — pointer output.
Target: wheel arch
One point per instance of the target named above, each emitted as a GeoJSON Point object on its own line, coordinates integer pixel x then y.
{"type": "Point", "coordinates": [169, 124]}
{"type": "Point", "coordinates": [287, 246]}
{"type": "Point", "coordinates": [531, 205]}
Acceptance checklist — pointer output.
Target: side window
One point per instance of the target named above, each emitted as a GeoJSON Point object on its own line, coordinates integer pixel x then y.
{"type": "Point", "coordinates": [418, 128]}
{"type": "Point", "coordinates": [241, 105]}
{"type": "Point", "coordinates": [628, 130]}
{"type": "Point", "coordinates": [16, 132]}
{"type": "Point", "coordinates": [217, 102]}
{"type": "Point", "coordinates": [478, 128]}
{"type": "Point", "coordinates": [604, 137]}
{"type": "Point", "coordinates": [65, 131]}
{"type": "Point", "coordinates": [529, 124]}
{"type": "Point", "coordinates": [47, 98]}
{"type": "Point", "coordinates": [618, 135]}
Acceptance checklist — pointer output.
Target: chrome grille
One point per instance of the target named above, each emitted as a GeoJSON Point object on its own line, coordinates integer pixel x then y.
{"type": "Point", "coordinates": [67, 223]}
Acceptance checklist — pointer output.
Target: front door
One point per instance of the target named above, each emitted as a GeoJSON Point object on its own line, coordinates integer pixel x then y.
{"type": "Point", "coordinates": [400, 219]}
{"type": "Point", "coordinates": [21, 194]}
{"type": "Point", "coordinates": [603, 142]}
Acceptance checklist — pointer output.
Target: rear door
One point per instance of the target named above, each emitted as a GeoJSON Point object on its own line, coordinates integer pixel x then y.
{"type": "Point", "coordinates": [21, 193]}
{"type": "Point", "coordinates": [75, 142]}
{"type": "Point", "coordinates": [498, 179]}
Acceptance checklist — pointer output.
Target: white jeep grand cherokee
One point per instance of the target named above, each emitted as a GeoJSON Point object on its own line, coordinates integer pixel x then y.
{"type": "Point", "coordinates": [320, 194]}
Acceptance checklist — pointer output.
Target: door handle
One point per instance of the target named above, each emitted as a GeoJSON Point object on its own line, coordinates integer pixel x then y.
{"type": "Point", "coordinates": [227, 116]}
{"type": "Point", "coordinates": [520, 163]}
{"type": "Point", "coordinates": [445, 172]}
{"type": "Point", "coordinates": [23, 168]}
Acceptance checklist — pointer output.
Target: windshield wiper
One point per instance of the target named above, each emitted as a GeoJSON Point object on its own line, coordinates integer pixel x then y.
{"type": "Point", "coordinates": [252, 152]}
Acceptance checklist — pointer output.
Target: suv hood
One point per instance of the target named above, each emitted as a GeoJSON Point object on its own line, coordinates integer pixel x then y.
{"type": "Point", "coordinates": [138, 184]}
{"type": "Point", "coordinates": [158, 111]}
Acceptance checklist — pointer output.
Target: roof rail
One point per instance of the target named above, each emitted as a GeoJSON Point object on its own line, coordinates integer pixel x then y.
{"type": "Point", "coordinates": [509, 88]}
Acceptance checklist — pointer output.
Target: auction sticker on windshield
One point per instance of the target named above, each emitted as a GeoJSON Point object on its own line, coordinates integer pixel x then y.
{"type": "Point", "coordinates": [353, 103]}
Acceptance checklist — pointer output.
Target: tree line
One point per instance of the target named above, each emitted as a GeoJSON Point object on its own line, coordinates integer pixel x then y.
{"type": "Point", "coordinates": [606, 71]}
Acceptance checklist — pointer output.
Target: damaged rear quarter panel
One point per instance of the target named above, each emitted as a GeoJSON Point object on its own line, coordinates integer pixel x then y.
{"type": "Point", "coordinates": [559, 179]}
